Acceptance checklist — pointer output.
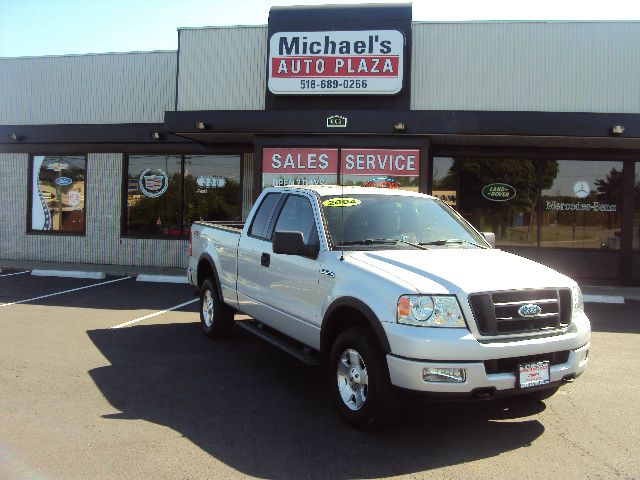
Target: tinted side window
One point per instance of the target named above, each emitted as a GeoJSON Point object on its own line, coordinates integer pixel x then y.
{"type": "Point", "coordinates": [297, 216]}
{"type": "Point", "coordinates": [263, 216]}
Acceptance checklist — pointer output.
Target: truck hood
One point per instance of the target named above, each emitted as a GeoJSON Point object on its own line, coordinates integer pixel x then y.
{"type": "Point", "coordinates": [451, 270]}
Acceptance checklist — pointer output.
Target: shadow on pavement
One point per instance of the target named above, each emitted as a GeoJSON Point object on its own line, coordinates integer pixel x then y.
{"type": "Point", "coordinates": [614, 318]}
{"type": "Point", "coordinates": [265, 414]}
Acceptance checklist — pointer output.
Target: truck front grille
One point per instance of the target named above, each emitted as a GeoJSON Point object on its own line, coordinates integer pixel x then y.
{"type": "Point", "coordinates": [521, 311]}
{"type": "Point", "coordinates": [509, 365]}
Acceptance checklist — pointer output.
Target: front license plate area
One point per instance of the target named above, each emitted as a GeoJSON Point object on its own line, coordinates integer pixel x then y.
{"type": "Point", "coordinates": [533, 374]}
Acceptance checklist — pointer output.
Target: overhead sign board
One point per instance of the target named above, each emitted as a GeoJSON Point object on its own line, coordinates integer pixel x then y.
{"type": "Point", "coordinates": [364, 62]}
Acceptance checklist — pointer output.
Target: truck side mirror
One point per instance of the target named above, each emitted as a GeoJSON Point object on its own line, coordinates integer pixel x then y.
{"type": "Point", "coordinates": [292, 243]}
{"type": "Point", "coordinates": [490, 237]}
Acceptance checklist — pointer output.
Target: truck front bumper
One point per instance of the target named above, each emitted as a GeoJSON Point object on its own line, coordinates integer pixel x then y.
{"type": "Point", "coordinates": [409, 374]}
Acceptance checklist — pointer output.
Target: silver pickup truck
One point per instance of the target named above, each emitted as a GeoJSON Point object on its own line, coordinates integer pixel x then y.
{"type": "Point", "coordinates": [395, 291]}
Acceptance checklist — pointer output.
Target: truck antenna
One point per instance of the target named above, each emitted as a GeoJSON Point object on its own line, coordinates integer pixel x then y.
{"type": "Point", "coordinates": [342, 223]}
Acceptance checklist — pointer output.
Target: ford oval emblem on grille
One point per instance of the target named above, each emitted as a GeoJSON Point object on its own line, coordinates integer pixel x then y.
{"type": "Point", "coordinates": [529, 310]}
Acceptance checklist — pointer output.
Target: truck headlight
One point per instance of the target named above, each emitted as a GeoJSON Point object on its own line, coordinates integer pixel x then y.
{"type": "Point", "coordinates": [430, 311]}
{"type": "Point", "coordinates": [576, 299]}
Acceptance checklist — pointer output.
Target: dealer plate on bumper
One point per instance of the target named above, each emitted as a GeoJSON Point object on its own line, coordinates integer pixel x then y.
{"type": "Point", "coordinates": [533, 374]}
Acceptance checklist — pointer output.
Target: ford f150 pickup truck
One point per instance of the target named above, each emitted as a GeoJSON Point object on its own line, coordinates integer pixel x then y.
{"type": "Point", "coordinates": [395, 291]}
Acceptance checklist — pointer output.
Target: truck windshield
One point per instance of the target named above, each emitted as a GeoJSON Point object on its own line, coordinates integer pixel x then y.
{"type": "Point", "coordinates": [390, 221]}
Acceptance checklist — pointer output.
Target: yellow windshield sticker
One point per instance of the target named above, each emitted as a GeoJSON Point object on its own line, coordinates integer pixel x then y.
{"type": "Point", "coordinates": [341, 202]}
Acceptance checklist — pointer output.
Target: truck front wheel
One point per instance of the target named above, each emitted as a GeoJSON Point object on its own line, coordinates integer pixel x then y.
{"type": "Point", "coordinates": [360, 378]}
{"type": "Point", "coordinates": [216, 318]}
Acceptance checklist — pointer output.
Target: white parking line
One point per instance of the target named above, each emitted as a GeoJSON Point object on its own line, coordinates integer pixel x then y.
{"type": "Point", "coordinates": [17, 273]}
{"type": "Point", "coordinates": [64, 291]}
{"type": "Point", "coordinates": [131, 322]}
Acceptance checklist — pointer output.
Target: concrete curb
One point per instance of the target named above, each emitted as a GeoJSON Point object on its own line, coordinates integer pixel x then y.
{"type": "Point", "coordinates": [145, 277]}
{"type": "Point", "coordinates": [69, 274]}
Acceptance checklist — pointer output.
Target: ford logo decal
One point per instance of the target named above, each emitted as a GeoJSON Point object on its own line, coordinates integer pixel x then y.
{"type": "Point", "coordinates": [63, 181]}
{"type": "Point", "coordinates": [529, 310]}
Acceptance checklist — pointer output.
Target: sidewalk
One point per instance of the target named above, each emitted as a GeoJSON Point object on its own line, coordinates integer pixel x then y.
{"type": "Point", "coordinates": [116, 270]}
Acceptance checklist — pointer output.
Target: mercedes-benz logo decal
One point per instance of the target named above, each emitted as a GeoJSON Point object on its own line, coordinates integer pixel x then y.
{"type": "Point", "coordinates": [581, 189]}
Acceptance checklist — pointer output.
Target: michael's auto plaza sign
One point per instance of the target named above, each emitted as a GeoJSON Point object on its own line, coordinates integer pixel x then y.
{"type": "Point", "coordinates": [345, 62]}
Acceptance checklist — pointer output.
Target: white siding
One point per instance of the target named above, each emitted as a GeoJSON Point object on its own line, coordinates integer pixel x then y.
{"type": "Point", "coordinates": [102, 243]}
{"type": "Point", "coordinates": [222, 68]}
{"type": "Point", "coordinates": [529, 66]}
{"type": "Point", "coordinates": [87, 89]}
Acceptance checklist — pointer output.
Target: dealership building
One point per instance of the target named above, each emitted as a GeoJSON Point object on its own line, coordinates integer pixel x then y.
{"type": "Point", "coordinates": [530, 130]}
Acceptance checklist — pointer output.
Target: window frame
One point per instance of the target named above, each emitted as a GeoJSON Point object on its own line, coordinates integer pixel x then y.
{"type": "Point", "coordinates": [30, 230]}
{"type": "Point", "coordinates": [548, 154]}
{"type": "Point", "coordinates": [124, 214]}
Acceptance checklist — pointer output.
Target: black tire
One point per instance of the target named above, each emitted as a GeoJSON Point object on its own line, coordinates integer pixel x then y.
{"type": "Point", "coordinates": [216, 318]}
{"type": "Point", "coordinates": [355, 354]}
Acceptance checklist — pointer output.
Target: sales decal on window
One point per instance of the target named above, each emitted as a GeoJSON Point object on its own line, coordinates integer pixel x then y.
{"type": "Point", "coordinates": [211, 182]}
{"type": "Point", "coordinates": [341, 202]}
{"type": "Point", "coordinates": [153, 185]}
{"type": "Point", "coordinates": [382, 162]}
{"type": "Point", "coordinates": [336, 62]}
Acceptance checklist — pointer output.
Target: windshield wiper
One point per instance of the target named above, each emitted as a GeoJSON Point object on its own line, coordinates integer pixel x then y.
{"type": "Point", "coordinates": [451, 241]}
{"type": "Point", "coordinates": [380, 241]}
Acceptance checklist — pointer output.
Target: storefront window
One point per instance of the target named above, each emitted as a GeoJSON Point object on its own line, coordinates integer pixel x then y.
{"type": "Point", "coordinates": [501, 195]}
{"type": "Point", "coordinates": [58, 185]}
{"type": "Point", "coordinates": [582, 208]}
{"type": "Point", "coordinates": [444, 182]}
{"type": "Point", "coordinates": [636, 209]}
{"type": "Point", "coordinates": [163, 201]}
{"type": "Point", "coordinates": [154, 195]}
{"type": "Point", "coordinates": [212, 188]}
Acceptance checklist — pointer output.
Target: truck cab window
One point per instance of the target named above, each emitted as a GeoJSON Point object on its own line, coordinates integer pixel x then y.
{"type": "Point", "coordinates": [262, 219]}
{"type": "Point", "coordinates": [297, 215]}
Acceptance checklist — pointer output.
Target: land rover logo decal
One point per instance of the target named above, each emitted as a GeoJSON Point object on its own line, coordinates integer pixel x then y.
{"type": "Point", "coordinates": [529, 310]}
{"type": "Point", "coordinates": [153, 185]}
{"type": "Point", "coordinates": [336, 121]}
{"type": "Point", "coordinates": [498, 192]}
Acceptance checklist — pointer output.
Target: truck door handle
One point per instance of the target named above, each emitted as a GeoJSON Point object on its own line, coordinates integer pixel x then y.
{"type": "Point", "coordinates": [265, 259]}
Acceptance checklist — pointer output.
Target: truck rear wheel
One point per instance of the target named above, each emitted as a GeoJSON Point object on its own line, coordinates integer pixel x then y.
{"type": "Point", "coordinates": [360, 378]}
{"type": "Point", "coordinates": [216, 318]}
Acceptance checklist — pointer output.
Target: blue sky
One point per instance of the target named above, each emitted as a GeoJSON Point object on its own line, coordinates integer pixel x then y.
{"type": "Point", "coordinates": [58, 27]}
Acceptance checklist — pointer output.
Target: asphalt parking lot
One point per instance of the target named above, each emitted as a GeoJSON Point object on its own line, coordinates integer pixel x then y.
{"type": "Point", "coordinates": [156, 399]}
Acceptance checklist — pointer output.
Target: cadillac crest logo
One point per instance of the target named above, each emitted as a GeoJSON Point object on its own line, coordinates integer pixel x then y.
{"type": "Point", "coordinates": [152, 184]}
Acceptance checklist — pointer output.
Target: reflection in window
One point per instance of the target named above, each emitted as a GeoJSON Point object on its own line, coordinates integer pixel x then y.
{"type": "Point", "coordinates": [501, 195]}
{"type": "Point", "coordinates": [154, 195]}
{"type": "Point", "coordinates": [636, 209]}
{"type": "Point", "coordinates": [444, 180]}
{"type": "Point", "coordinates": [163, 201]}
{"type": "Point", "coordinates": [212, 188]}
{"type": "Point", "coordinates": [583, 206]}
{"type": "Point", "coordinates": [297, 215]}
{"type": "Point", "coordinates": [58, 193]}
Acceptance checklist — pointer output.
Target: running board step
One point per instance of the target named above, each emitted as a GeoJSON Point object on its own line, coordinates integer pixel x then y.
{"type": "Point", "coordinates": [292, 347]}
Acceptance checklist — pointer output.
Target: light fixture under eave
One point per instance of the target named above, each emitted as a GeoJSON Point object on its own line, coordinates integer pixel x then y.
{"type": "Point", "coordinates": [617, 129]}
{"type": "Point", "coordinates": [200, 125]}
{"type": "Point", "coordinates": [156, 135]}
{"type": "Point", "coordinates": [13, 137]}
{"type": "Point", "coordinates": [399, 127]}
